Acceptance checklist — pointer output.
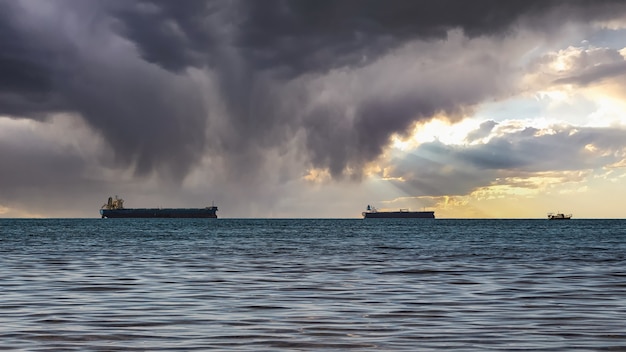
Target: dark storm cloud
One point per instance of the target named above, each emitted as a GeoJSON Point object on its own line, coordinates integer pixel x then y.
{"type": "Point", "coordinates": [142, 93]}
{"type": "Point", "coordinates": [172, 34]}
{"type": "Point", "coordinates": [63, 59]}
{"type": "Point", "coordinates": [303, 36]}
{"type": "Point", "coordinates": [296, 37]}
{"type": "Point", "coordinates": [26, 70]}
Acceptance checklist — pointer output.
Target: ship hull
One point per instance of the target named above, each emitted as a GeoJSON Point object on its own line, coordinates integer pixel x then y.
{"type": "Point", "coordinates": [160, 213]}
{"type": "Point", "coordinates": [399, 215]}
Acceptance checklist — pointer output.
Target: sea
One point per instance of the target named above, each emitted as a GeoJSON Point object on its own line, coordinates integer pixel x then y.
{"type": "Point", "coordinates": [312, 285]}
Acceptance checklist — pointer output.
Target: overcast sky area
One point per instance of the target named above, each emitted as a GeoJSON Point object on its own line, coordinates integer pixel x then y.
{"type": "Point", "coordinates": [314, 109]}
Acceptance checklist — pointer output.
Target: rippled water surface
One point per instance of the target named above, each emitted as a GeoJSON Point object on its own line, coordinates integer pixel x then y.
{"type": "Point", "coordinates": [268, 285]}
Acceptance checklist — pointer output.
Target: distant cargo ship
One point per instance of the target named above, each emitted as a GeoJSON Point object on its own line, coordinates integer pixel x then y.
{"type": "Point", "coordinates": [372, 212]}
{"type": "Point", "coordinates": [114, 208]}
{"type": "Point", "coordinates": [559, 216]}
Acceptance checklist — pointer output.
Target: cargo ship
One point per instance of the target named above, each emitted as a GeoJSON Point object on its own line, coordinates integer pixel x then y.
{"type": "Point", "coordinates": [372, 212]}
{"type": "Point", "coordinates": [114, 208]}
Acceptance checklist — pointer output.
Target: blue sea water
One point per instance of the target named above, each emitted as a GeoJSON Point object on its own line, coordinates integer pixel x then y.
{"type": "Point", "coordinates": [311, 285]}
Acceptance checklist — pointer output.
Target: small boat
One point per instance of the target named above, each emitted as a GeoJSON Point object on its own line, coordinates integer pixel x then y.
{"type": "Point", "coordinates": [559, 216]}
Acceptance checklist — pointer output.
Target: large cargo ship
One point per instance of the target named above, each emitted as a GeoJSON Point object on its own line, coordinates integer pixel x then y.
{"type": "Point", "coordinates": [114, 208]}
{"type": "Point", "coordinates": [372, 212]}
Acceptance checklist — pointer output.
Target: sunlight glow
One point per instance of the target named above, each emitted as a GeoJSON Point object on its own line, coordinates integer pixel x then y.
{"type": "Point", "coordinates": [317, 175]}
{"type": "Point", "coordinates": [616, 24]}
{"type": "Point", "coordinates": [438, 129]}
{"type": "Point", "coordinates": [591, 148]}
{"type": "Point", "coordinates": [502, 191]}
{"type": "Point", "coordinates": [611, 105]}
{"type": "Point", "coordinates": [618, 165]}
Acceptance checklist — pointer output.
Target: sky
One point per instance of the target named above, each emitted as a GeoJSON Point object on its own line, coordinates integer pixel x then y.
{"type": "Point", "coordinates": [314, 109]}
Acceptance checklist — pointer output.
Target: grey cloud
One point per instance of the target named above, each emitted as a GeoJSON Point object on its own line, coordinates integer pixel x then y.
{"type": "Point", "coordinates": [581, 66]}
{"type": "Point", "coordinates": [483, 131]}
{"type": "Point", "coordinates": [529, 152]}
{"type": "Point", "coordinates": [437, 169]}
{"type": "Point", "coordinates": [131, 69]}
{"type": "Point", "coordinates": [37, 165]}
{"type": "Point", "coordinates": [595, 73]}
{"type": "Point", "coordinates": [274, 42]}
{"type": "Point", "coordinates": [433, 170]}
